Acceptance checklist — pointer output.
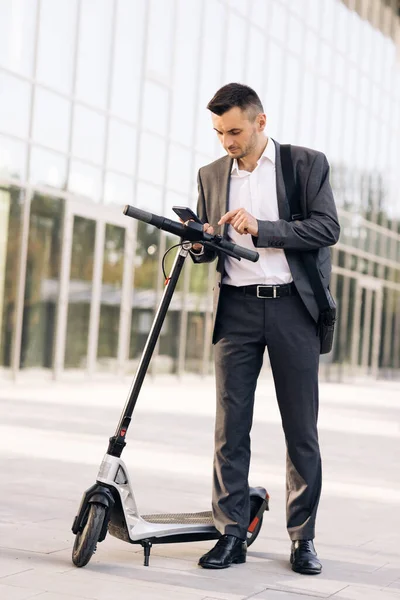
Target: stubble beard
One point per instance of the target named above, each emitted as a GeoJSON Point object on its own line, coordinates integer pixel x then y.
{"type": "Point", "coordinates": [249, 148]}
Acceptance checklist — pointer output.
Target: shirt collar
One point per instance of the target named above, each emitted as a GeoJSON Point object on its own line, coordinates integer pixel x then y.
{"type": "Point", "coordinates": [269, 154]}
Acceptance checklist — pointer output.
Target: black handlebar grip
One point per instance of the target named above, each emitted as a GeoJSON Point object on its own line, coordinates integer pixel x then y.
{"type": "Point", "coordinates": [251, 255]}
{"type": "Point", "coordinates": [137, 213]}
{"type": "Point", "coordinates": [161, 222]}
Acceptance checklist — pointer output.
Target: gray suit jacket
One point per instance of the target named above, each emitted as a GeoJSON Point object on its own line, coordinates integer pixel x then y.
{"type": "Point", "coordinates": [319, 229]}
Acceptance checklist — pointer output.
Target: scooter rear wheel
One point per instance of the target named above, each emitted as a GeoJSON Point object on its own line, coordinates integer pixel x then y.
{"type": "Point", "coordinates": [86, 540]}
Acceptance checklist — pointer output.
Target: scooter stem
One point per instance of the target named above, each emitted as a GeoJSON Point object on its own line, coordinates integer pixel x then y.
{"type": "Point", "coordinates": [117, 442]}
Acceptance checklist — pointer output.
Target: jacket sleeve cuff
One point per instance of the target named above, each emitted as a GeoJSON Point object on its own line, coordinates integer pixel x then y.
{"type": "Point", "coordinates": [261, 240]}
{"type": "Point", "coordinates": [197, 252]}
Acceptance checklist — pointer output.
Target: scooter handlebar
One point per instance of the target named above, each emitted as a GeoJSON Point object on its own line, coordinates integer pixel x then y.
{"type": "Point", "coordinates": [246, 253]}
{"type": "Point", "coordinates": [192, 232]}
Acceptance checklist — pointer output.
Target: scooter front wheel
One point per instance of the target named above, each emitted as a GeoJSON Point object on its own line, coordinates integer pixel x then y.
{"type": "Point", "coordinates": [86, 540]}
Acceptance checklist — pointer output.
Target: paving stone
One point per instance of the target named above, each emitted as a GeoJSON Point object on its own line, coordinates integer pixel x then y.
{"type": "Point", "coordinates": [8, 592]}
{"type": "Point", "coordinates": [353, 592]}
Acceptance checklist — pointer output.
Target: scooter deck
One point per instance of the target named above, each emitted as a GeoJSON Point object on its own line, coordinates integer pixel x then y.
{"type": "Point", "coordinates": [200, 518]}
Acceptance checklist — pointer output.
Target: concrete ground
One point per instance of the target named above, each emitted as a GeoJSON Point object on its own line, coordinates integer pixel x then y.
{"type": "Point", "coordinates": [53, 437]}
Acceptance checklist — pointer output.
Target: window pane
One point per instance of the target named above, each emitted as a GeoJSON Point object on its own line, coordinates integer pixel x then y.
{"type": "Point", "coordinates": [368, 43]}
{"type": "Point", "coordinates": [311, 49]}
{"type": "Point", "coordinates": [121, 154]}
{"type": "Point", "coordinates": [260, 11]}
{"type": "Point", "coordinates": [146, 265]}
{"type": "Point", "coordinates": [51, 120]}
{"type": "Point", "coordinates": [17, 35]}
{"type": "Point", "coordinates": [340, 69]}
{"type": "Point", "coordinates": [56, 43]}
{"type": "Point", "coordinates": [80, 292]}
{"type": "Point", "coordinates": [235, 51]}
{"type": "Point", "coordinates": [85, 179]}
{"type": "Point", "coordinates": [94, 51]}
{"type": "Point", "coordinates": [328, 19]}
{"type": "Point", "coordinates": [290, 105]}
{"type": "Point", "coordinates": [362, 128]}
{"type": "Point", "coordinates": [321, 115]}
{"type": "Point", "coordinates": [296, 32]}
{"type": "Point", "coordinates": [353, 82]}
{"type": "Point", "coordinates": [239, 5]}
{"type": "Point", "coordinates": [179, 163]}
{"type": "Point", "coordinates": [335, 139]}
{"type": "Point", "coordinates": [341, 27]}
{"type": "Point", "coordinates": [325, 63]}
{"type": "Point", "coordinates": [185, 71]}
{"type": "Point", "coordinates": [279, 21]}
{"type": "Point", "coordinates": [12, 157]}
{"type": "Point", "coordinates": [48, 168]}
{"type": "Point", "coordinates": [88, 135]}
{"type": "Point", "coordinates": [127, 58]}
{"type": "Point", "coordinates": [42, 281]}
{"type": "Point", "coordinates": [155, 108]}
{"type": "Point", "coordinates": [118, 189]}
{"type": "Point", "coordinates": [168, 349]}
{"type": "Point", "coordinates": [15, 96]}
{"type": "Point", "coordinates": [152, 158]}
{"type": "Point", "coordinates": [210, 76]}
{"type": "Point", "coordinates": [11, 204]}
{"type": "Point", "coordinates": [354, 41]}
{"type": "Point", "coordinates": [146, 269]}
{"type": "Point", "coordinates": [273, 93]}
{"type": "Point", "coordinates": [255, 69]}
{"type": "Point", "coordinates": [159, 44]}
{"type": "Point", "coordinates": [149, 198]}
{"type": "Point", "coordinates": [307, 122]}
{"type": "Point", "coordinates": [313, 13]}
{"type": "Point", "coordinates": [113, 268]}
{"type": "Point", "coordinates": [194, 350]}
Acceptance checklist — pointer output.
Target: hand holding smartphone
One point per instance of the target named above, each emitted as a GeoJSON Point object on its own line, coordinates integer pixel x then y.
{"type": "Point", "coordinates": [186, 214]}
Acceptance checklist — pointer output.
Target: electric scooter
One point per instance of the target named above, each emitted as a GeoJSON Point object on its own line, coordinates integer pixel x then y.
{"type": "Point", "coordinates": [109, 505]}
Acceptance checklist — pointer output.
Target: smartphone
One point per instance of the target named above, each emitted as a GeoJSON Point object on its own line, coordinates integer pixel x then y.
{"type": "Point", "coordinates": [186, 214]}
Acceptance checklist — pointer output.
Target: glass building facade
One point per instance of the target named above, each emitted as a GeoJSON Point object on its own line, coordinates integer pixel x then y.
{"type": "Point", "coordinates": [102, 103]}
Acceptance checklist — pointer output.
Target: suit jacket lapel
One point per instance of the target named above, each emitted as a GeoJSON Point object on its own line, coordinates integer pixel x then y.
{"type": "Point", "coordinates": [283, 204]}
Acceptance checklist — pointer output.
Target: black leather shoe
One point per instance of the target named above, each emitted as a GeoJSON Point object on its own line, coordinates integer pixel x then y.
{"type": "Point", "coordinates": [229, 549]}
{"type": "Point", "coordinates": [304, 559]}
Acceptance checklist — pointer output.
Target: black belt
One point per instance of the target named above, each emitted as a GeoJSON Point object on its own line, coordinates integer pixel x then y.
{"type": "Point", "coordinates": [263, 291]}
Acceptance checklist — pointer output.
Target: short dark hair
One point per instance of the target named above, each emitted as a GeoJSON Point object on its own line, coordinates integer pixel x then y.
{"type": "Point", "coordinates": [235, 94]}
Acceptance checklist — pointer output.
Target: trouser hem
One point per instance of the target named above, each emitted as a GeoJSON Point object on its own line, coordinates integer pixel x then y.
{"type": "Point", "coordinates": [236, 531]}
{"type": "Point", "coordinates": [296, 537]}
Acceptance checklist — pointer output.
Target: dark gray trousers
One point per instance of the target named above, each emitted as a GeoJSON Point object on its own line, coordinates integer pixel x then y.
{"type": "Point", "coordinates": [245, 326]}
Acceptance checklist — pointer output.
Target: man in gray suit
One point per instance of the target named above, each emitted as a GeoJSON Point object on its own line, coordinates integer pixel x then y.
{"type": "Point", "coordinates": [265, 304]}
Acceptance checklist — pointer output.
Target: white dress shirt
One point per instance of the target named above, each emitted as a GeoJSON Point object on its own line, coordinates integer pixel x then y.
{"type": "Point", "coordinates": [256, 192]}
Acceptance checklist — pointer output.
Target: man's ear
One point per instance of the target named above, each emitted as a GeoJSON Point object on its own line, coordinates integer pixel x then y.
{"type": "Point", "coordinates": [261, 121]}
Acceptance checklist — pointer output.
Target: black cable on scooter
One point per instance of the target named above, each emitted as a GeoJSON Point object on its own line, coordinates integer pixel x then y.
{"type": "Point", "coordinates": [164, 257]}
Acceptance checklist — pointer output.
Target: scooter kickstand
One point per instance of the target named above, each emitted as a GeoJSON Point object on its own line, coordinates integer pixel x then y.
{"type": "Point", "coordinates": [147, 548]}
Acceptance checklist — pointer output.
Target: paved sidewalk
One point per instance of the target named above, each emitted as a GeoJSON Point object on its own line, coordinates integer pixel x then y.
{"type": "Point", "coordinates": [53, 437]}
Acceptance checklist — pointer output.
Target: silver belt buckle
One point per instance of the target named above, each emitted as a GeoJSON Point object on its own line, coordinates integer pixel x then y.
{"type": "Point", "coordinates": [266, 286]}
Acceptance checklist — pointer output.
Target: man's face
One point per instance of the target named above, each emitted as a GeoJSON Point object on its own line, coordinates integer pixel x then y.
{"type": "Point", "coordinates": [237, 133]}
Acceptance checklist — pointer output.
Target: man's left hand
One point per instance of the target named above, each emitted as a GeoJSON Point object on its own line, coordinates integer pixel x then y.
{"type": "Point", "coordinates": [241, 221]}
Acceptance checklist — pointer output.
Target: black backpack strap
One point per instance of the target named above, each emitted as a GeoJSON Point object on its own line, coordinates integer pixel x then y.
{"type": "Point", "coordinates": [309, 258]}
{"type": "Point", "coordinates": [290, 183]}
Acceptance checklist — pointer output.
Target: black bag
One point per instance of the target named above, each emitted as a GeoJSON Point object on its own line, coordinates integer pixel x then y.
{"type": "Point", "coordinates": [323, 296]}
